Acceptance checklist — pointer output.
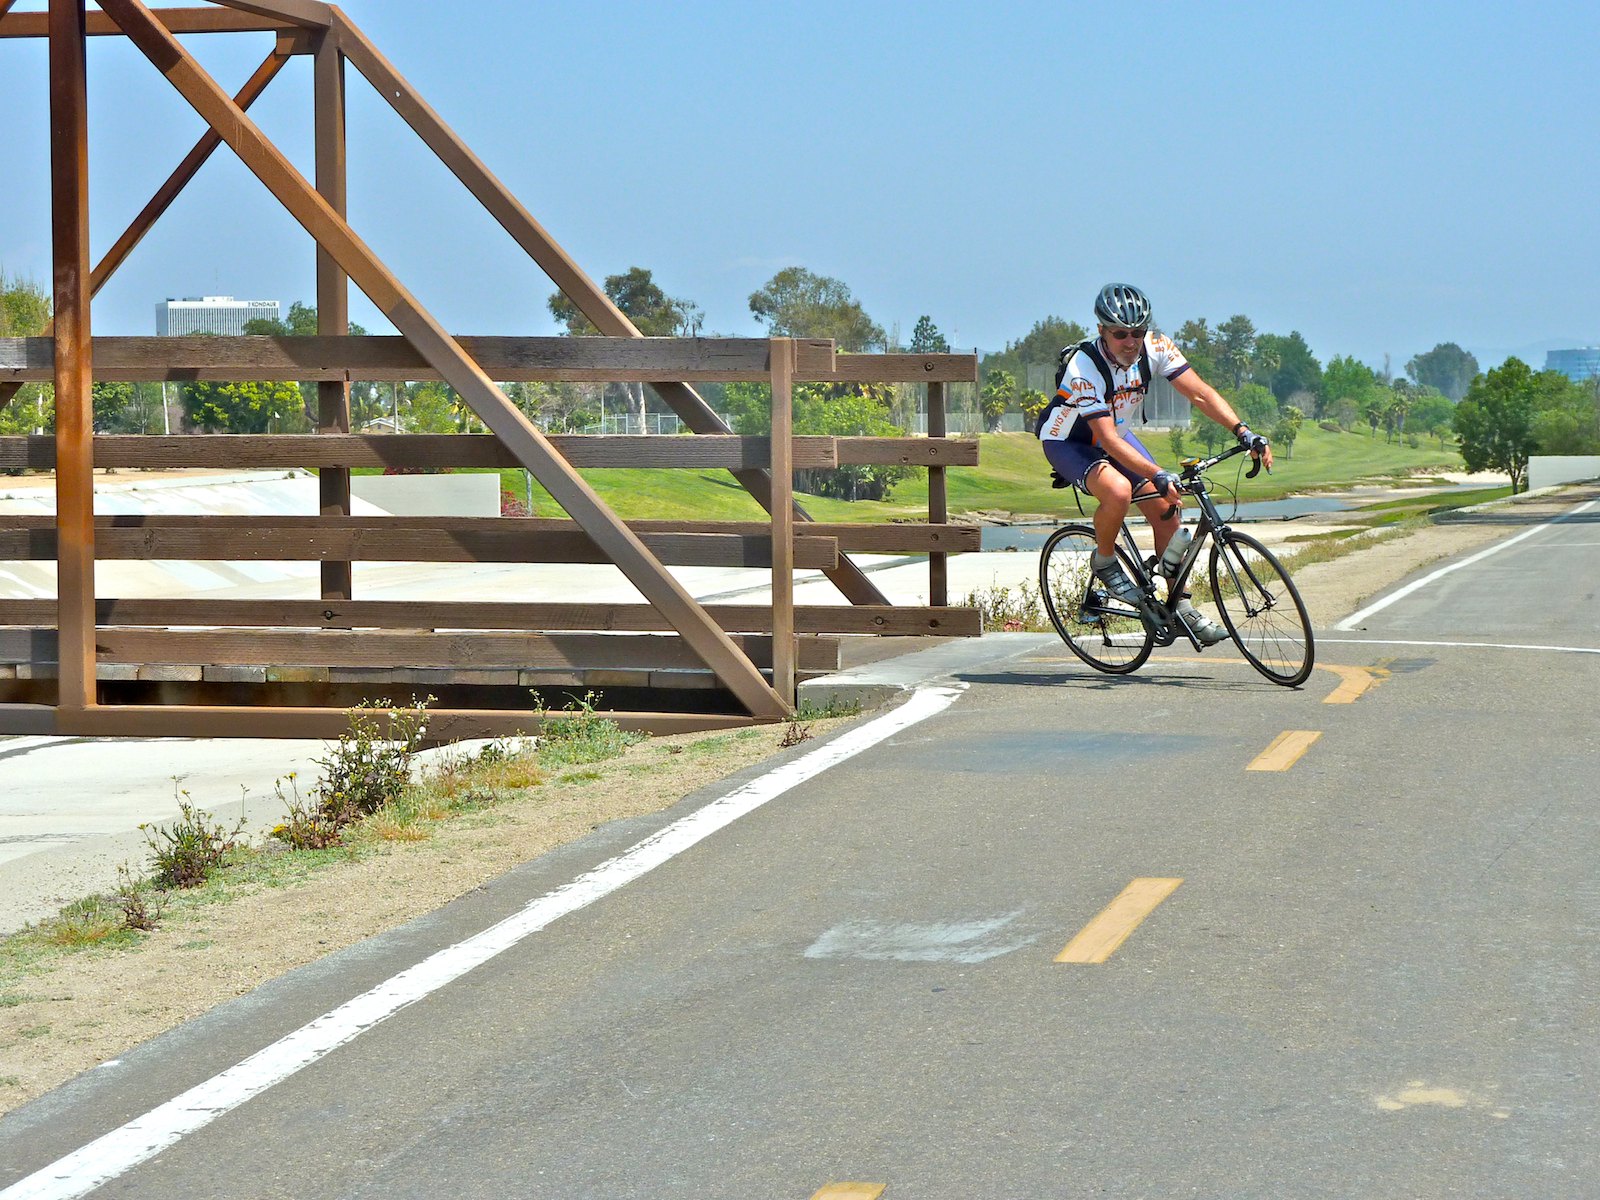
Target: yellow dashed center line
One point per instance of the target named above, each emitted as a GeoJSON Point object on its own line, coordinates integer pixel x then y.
{"type": "Point", "coordinates": [851, 1191]}
{"type": "Point", "coordinates": [1285, 750]}
{"type": "Point", "coordinates": [1356, 680]}
{"type": "Point", "coordinates": [1100, 937]}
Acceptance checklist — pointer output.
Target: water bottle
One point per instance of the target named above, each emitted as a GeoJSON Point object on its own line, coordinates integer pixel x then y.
{"type": "Point", "coordinates": [1172, 556]}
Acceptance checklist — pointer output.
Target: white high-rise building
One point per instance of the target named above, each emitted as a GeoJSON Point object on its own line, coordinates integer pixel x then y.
{"type": "Point", "coordinates": [211, 314]}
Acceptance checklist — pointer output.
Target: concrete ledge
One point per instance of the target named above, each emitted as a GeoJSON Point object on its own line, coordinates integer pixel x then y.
{"type": "Point", "coordinates": [877, 683]}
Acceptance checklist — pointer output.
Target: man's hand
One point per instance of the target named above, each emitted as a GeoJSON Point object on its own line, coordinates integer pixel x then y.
{"type": "Point", "coordinates": [1166, 485]}
{"type": "Point", "coordinates": [1258, 446]}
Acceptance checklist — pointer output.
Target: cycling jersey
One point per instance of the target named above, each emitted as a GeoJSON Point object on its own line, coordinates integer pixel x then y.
{"type": "Point", "coordinates": [1085, 391]}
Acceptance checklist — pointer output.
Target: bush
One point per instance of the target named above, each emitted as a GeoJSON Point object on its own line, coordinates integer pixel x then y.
{"type": "Point", "coordinates": [583, 736]}
{"type": "Point", "coordinates": [1004, 609]}
{"type": "Point", "coordinates": [1330, 427]}
{"type": "Point", "coordinates": [371, 766]}
{"type": "Point", "coordinates": [186, 852]}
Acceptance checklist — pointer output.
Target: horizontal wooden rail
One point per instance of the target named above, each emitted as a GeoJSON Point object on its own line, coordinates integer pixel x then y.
{"type": "Point", "coordinates": [386, 539]}
{"type": "Point", "coordinates": [507, 359]}
{"type": "Point", "coordinates": [340, 359]}
{"type": "Point", "coordinates": [388, 648]}
{"type": "Point", "coordinates": [275, 450]}
{"type": "Point", "coordinates": [210, 19]}
{"type": "Point", "coordinates": [191, 720]}
{"type": "Point", "coordinates": [440, 614]}
{"type": "Point", "coordinates": [910, 537]}
{"type": "Point", "coordinates": [901, 368]}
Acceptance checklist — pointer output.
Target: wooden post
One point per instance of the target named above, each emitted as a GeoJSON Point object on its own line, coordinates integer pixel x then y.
{"type": "Point", "coordinates": [783, 643]}
{"type": "Point", "coordinates": [938, 505]}
{"type": "Point", "coordinates": [333, 290]}
{"type": "Point", "coordinates": [69, 178]}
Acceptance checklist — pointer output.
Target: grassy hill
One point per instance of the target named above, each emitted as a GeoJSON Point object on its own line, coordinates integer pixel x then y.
{"type": "Point", "coordinates": [1011, 477]}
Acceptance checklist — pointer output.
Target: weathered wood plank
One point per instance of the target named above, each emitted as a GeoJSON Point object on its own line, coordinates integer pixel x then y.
{"type": "Point", "coordinates": [908, 451]}
{"type": "Point", "coordinates": [910, 537]}
{"type": "Point", "coordinates": [335, 359]}
{"type": "Point", "coordinates": [444, 724]}
{"type": "Point", "coordinates": [378, 649]}
{"type": "Point", "coordinates": [700, 452]}
{"type": "Point", "coordinates": [421, 614]}
{"type": "Point", "coordinates": [179, 20]}
{"type": "Point", "coordinates": [901, 368]}
{"type": "Point", "coordinates": [394, 539]}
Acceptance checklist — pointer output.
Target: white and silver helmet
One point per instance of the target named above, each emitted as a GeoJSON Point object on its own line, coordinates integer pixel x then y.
{"type": "Point", "coordinates": [1122, 306]}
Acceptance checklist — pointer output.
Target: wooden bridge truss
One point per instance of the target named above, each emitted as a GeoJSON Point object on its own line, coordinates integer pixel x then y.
{"type": "Point", "coordinates": [81, 646]}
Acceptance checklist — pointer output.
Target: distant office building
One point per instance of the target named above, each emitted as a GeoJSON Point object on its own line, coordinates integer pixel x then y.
{"type": "Point", "coordinates": [1577, 365]}
{"type": "Point", "coordinates": [211, 314]}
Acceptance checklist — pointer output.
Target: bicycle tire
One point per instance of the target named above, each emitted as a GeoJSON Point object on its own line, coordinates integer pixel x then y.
{"type": "Point", "coordinates": [1262, 609]}
{"type": "Point", "coordinates": [1102, 631]}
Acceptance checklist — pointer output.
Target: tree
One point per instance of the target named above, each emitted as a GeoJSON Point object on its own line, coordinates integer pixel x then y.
{"type": "Point", "coordinates": [1446, 367]}
{"type": "Point", "coordinates": [1256, 405]}
{"type": "Point", "coordinates": [24, 307]}
{"type": "Point", "coordinates": [1198, 342]}
{"type": "Point", "coordinates": [1296, 369]}
{"type": "Point", "coordinates": [652, 311]}
{"type": "Point", "coordinates": [431, 408]}
{"type": "Point", "coordinates": [1236, 344]}
{"type": "Point", "coordinates": [1566, 415]}
{"type": "Point", "coordinates": [1288, 428]}
{"type": "Point", "coordinates": [1495, 421]}
{"type": "Point", "coordinates": [797, 303]}
{"type": "Point", "coordinates": [243, 407]}
{"type": "Point", "coordinates": [302, 322]}
{"type": "Point", "coordinates": [1430, 414]}
{"type": "Point", "coordinates": [926, 338]}
{"type": "Point", "coordinates": [999, 394]}
{"type": "Point", "coordinates": [1040, 349]}
{"type": "Point", "coordinates": [833, 410]}
{"type": "Point", "coordinates": [1347, 379]}
{"type": "Point", "coordinates": [24, 312]}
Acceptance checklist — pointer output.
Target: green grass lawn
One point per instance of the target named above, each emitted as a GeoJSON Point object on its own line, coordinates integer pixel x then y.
{"type": "Point", "coordinates": [1011, 477]}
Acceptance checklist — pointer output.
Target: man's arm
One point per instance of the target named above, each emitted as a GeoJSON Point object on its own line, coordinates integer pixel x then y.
{"type": "Point", "coordinates": [1213, 404]}
{"type": "Point", "coordinates": [1119, 451]}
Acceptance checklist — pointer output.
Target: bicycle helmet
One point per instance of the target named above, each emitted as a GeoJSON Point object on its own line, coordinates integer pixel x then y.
{"type": "Point", "coordinates": [1122, 306]}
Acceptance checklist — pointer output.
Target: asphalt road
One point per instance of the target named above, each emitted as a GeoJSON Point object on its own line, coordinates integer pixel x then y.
{"type": "Point", "coordinates": [1377, 977]}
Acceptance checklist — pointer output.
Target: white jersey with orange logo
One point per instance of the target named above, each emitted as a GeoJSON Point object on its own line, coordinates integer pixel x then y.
{"type": "Point", "coordinates": [1085, 393]}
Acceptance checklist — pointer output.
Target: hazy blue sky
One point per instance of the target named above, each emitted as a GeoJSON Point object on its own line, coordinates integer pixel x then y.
{"type": "Point", "coordinates": [1381, 177]}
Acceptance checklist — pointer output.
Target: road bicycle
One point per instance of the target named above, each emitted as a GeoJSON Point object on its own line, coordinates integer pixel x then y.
{"type": "Point", "coordinates": [1257, 600]}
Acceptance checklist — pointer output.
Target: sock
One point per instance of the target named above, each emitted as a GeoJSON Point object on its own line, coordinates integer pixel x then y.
{"type": "Point", "coordinates": [1103, 560]}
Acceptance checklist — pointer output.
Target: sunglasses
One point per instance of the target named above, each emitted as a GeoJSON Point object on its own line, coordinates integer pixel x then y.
{"type": "Point", "coordinates": [1123, 335]}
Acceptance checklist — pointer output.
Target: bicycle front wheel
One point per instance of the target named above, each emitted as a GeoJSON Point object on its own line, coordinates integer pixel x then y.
{"type": "Point", "coordinates": [1100, 629]}
{"type": "Point", "coordinates": [1261, 608]}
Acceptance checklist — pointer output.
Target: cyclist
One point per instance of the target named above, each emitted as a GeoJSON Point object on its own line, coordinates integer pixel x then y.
{"type": "Point", "coordinates": [1085, 436]}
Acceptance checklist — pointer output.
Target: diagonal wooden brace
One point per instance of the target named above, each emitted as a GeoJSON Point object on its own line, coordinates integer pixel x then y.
{"type": "Point", "coordinates": [529, 446]}
{"type": "Point", "coordinates": [559, 266]}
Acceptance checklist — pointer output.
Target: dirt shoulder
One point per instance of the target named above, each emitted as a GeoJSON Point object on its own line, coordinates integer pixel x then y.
{"type": "Point", "coordinates": [88, 1007]}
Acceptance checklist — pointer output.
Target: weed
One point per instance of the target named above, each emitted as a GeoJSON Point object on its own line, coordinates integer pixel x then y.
{"type": "Point", "coordinates": [12, 999]}
{"type": "Point", "coordinates": [35, 1031]}
{"type": "Point", "coordinates": [1006, 609]}
{"type": "Point", "coordinates": [371, 764]}
{"type": "Point", "coordinates": [794, 735]}
{"type": "Point", "coordinates": [583, 736]}
{"type": "Point", "coordinates": [141, 909]}
{"type": "Point", "coordinates": [312, 824]}
{"type": "Point", "coordinates": [191, 848]}
{"type": "Point", "coordinates": [10, 1080]}
{"type": "Point", "coordinates": [836, 706]}
{"type": "Point", "coordinates": [579, 777]}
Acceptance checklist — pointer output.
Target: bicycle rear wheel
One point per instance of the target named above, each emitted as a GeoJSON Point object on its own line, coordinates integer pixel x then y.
{"type": "Point", "coordinates": [1261, 608]}
{"type": "Point", "coordinates": [1100, 629]}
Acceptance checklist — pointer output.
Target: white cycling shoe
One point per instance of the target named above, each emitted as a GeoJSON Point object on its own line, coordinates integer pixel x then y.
{"type": "Point", "coordinates": [1203, 627]}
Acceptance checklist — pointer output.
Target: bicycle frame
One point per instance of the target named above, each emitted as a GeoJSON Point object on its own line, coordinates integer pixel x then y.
{"type": "Point", "coordinates": [1192, 482]}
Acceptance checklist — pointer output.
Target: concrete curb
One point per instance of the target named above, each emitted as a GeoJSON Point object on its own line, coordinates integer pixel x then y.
{"type": "Point", "coordinates": [877, 683]}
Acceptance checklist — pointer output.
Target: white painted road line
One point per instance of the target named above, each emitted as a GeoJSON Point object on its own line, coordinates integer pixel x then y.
{"type": "Point", "coordinates": [1353, 621]}
{"type": "Point", "coordinates": [144, 1137]}
{"type": "Point", "coordinates": [1327, 641]}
